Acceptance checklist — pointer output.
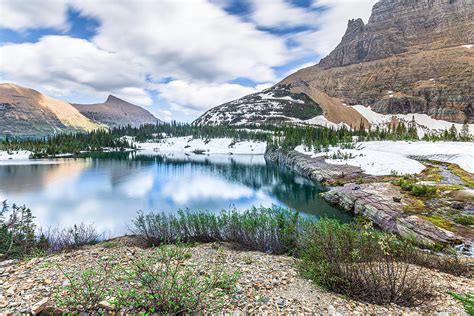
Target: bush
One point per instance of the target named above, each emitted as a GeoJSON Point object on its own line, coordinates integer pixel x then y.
{"type": "Point", "coordinates": [85, 290]}
{"type": "Point", "coordinates": [467, 301]}
{"type": "Point", "coordinates": [417, 189]}
{"type": "Point", "coordinates": [464, 219]}
{"type": "Point", "coordinates": [163, 282]}
{"type": "Point", "coordinates": [272, 230]}
{"type": "Point", "coordinates": [363, 263]}
{"type": "Point", "coordinates": [70, 238]}
{"type": "Point", "coordinates": [17, 232]}
{"type": "Point", "coordinates": [166, 283]}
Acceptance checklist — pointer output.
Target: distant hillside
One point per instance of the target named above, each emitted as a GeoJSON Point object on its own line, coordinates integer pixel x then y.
{"type": "Point", "coordinates": [28, 113]}
{"type": "Point", "coordinates": [275, 104]}
{"type": "Point", "coordinates": [115, 112]}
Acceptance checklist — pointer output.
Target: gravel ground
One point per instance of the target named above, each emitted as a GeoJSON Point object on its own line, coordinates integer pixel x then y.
{"type": "Point", "coordinates": [267, 285]}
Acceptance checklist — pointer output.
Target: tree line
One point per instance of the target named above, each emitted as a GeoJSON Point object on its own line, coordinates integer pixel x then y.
{"type": "Point", "coordinates": [283, 136]}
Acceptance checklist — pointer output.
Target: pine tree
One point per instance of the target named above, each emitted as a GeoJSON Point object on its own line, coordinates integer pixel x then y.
{"type": "Point", "coordinates": [465, 136]}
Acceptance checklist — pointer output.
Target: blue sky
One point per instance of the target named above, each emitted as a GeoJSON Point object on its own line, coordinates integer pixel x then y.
{"type": "Point", "coordinates": [177, 58]}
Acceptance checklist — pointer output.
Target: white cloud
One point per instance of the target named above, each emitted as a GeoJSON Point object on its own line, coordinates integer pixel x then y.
{"type": "Point", "coordinates": [196, 97]}
{"type": "Point", "coordinates": [281, 14]}
{"type": "Point", "coordinates": [204, 188]}
{"type": "Point", "coordinates": [22, 15]}
{"type": "Point", "coordinates": [295, 69]}
{"type": "Point", "coordinates": [137, 186]}
{"type": "Point", "coordinates": [198, 40]}
{"type": "Point", "coordinates": [61, 65]}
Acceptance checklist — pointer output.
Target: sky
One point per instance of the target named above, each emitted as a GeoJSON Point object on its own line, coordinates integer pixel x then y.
{"type": "Point", "coordinates": [176, 58]}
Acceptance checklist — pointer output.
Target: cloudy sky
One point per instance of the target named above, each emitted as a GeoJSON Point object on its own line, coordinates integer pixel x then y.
{"type": "Point", "coordinates": [177, 58]}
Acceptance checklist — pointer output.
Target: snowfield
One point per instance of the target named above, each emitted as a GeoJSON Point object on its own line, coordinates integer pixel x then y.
{"type": "Point", "coordinates": [387, 157]}
{"type": "Point", "coordinates": [212, 146]}
{"type": "Point", "coordinates": [22, 157]}
{"type": "Point", "coordinates": [321, 120]}
{"type": "Point", "coordinates": [424, 122]}
{"type": "Point", "coordinates": [16, 155]}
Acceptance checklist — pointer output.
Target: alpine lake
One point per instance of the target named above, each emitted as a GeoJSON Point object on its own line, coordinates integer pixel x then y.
{"type": "Point", "coordinates": [108, 189]}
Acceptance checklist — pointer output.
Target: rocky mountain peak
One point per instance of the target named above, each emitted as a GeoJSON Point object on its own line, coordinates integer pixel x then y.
{"type": "Point", "coordinates": [112, 99]}
{"type": "Point", "coordinates": [397, 26]}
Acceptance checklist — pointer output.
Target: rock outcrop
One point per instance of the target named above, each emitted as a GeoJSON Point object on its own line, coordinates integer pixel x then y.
{"type": "Point", "coordinates": [115, 112]}
{"type": "Point", "coordinates": [378, 202]}
{"type": "Point", "coordinates": [28, 113]}
{"type": "Point", "coordinates": [315, 168]}
{"type": "Point", "coordinates": [399, 26]}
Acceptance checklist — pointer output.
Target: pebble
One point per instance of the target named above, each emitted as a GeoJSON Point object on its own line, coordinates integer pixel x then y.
{"type": "Point", "coordinates": [39, 306]}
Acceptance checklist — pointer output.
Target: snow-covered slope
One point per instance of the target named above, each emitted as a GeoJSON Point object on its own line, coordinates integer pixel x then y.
{"type": "Point", "coordinates": [386, 157]}
{"type": "Point", "coordinates": [189, 144]}
{"type": "Point", "coordinates": [276, 104]}
{"type": "Point", "coordinates": [424, 122]}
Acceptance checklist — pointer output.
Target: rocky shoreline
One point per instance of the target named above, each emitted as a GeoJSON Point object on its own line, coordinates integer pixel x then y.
{"type": "Point", "coordinates": [373, 197]}
{"type": "Point", "coordinates": [315, 168]}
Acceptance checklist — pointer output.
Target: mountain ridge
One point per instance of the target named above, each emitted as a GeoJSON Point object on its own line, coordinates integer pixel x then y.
{"type": "Point", "coordinates": [26, 112]}
{"type": "Point", "coordinates": [115, 112]}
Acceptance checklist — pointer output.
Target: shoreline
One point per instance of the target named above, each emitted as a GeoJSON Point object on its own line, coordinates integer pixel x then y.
{"type": "Point", "coordinates": [353, 191]}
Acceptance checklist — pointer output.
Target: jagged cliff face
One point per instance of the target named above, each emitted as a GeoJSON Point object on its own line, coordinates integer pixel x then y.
{"type": "Point", "coordinates": [413, 56]}
{"type": "Point", "coordinates": [115, 112]}
{"type": "Point", "coordinates": [398, 26]}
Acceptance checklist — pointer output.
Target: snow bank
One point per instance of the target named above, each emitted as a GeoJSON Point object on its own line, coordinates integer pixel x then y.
{"type": "Point", "coordinates": [16, 155]}
{"type": "Point", "coordinates": [386, 157]}
{"type": "Point", "coordinates": [22, 157]}
{"type": "Point", "coordinates": [321, 120]}
{"type": "Point", "coordinates": [425, 122]}
{"type": "Point", "coordinates": [212, 146]}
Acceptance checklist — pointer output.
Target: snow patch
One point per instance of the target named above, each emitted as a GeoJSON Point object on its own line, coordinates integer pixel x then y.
{"type": "Point", "coordinates": [321, 120]}
{"type": "Point", "coordinates": [15, 155]}
{"type": "Point", "coordinates": [424, 122]}
{"type": "Point", "coordinates": [211, 146]}
{"type": "Point", "coordinates": [469, 46]}
{"type": "Point", "coordinates": [387, 157]}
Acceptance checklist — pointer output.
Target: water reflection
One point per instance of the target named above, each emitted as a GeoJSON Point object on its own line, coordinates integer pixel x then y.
{"type": "Point", "coordinates": [107, 190]}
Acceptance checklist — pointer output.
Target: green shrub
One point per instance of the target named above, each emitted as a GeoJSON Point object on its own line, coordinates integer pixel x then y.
{"type": "Point", "coordinates": [85, 290]}
{"type": "Point", "coordinates": [464, 219]}
{"type": "Point", "coordinates": [467, 301]}
{"type": "Point", "coordinates": [272, 230]}
{"type": "Point", "coordinates": [363, 263]}
{"type": "Point", "coordinates": [165, 283]}
{"type": "Point", "coordinates": [17, 231]}
{"type": "Point", "coordinates": [417, 189]}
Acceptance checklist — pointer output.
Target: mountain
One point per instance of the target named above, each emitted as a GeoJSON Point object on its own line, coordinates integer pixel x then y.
{"type": "Point", "coordinates": [275, 104]}
{"type": "Point", "coordinates": [115, 112]}
{"type": "Point", "coordinates": [28, 113]}
{"type": "Point", "coordinates": [412, 56]}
